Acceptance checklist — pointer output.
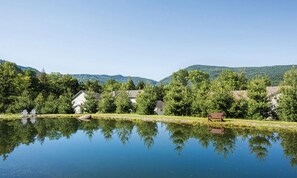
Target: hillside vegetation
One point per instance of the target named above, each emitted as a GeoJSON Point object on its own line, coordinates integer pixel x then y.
{"type": "Point", "coordinates": [118, 78]}
{"type": "Point", "coordinates": [275, 73]}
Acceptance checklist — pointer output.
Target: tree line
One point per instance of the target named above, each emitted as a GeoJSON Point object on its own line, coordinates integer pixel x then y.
{"type": "Point", "coordinates": [190, 93]}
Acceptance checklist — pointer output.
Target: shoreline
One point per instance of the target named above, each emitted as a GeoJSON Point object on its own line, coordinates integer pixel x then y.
{"type": "Point", "coordinates": [229, 123]}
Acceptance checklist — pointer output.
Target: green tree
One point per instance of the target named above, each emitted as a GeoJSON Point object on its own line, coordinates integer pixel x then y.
{"type": "Point", "coordinates": [39, 102]}
{"type": "Point", "coordinates": [239, 108]}
{"type": "Point", "coordinates": [91, 103]}
{"type": "Point", "coordinates": [123, 102]}
{"type": "Point", "coordinates": [180, 77]}
{"type": "Point", "coordinates": [50, 105]}
{"type": "Point", "coordinates": [9, 84]}
{"type": "Point", "coordinates": [237, 81]}
{"type": "Point", "coordinates": [22, 102]}
{"type": "Point", "coordinates": [146, 101]}
{"type": "Point", "coordinates": [111, 85]}
{"type": "Point", "coordinates": [287, 109]}
{"type": "Point", "coordinates": [92, 85]}
{"type": "Point", "coordinates": [107, 103]}
{"type": "Point", "coordinates": [220, 98]}
{"type": "Point", "coordinates": [258, 106]}
{"type": "Point", "coordinates": [128, 85]}
{"type": "Point", "coordinates": [200, 93]}
{"type": "Point", "coordinates": [65, 106]}
{"type": "Point", "coordinates": [140, 85]}
{"type": "Point", "coordinates": [178, 100]}
{"type": "Point", "coordinates": [196, 78]}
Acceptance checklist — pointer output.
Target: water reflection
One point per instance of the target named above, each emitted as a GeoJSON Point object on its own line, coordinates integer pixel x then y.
{"type": "Point", "coordinates": [222, 140]}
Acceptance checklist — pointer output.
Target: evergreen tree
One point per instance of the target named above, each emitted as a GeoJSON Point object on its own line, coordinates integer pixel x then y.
{"type": "Point", "coordinates": [111, 85]}
{"type": "Point", "coordinates": [22, 102]}
{"type": "Point", "coordinates": [9, 84]}
{"type": "Point", "coordinates": [91, 103]}
{"type": "Point", "coordinates": [65, 106]}
{"type": "Point", "coordinates": [287, 109]}
{"type": "Point", "coordinates": [220, 98]}
{"type": "Point", "coordinates": [178, 99]}
{"type": "Point", "coordinates": [258, 106]}
{"type": "Point", "coordinates": [146, 101]}
{"type": "Point", "coordinates": [237, 81]}
{"type": "Point", "coordinates": [140, 85]}
{"type": "Point", "coordinates": [107, 103]}
{"type": "Point", "coordinates": [39, 103]}
{"type": "Point", "coordinates": [50, 105]}
{"type": "Point", "coordinates": [200, 95]}
{"type": "Point", "coordinates": [123, 102]}
{"type": "Point", "coordinates": [129, 85]}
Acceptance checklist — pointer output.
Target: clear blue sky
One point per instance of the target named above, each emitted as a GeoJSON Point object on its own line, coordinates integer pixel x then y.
{"type": "Point", "coordinates": [148, 38]}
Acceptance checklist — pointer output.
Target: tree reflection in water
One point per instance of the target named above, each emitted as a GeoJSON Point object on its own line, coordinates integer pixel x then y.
{"type": "Point", "coordinates": [14, 133]}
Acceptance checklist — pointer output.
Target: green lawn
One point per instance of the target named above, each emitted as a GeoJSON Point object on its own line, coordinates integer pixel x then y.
{"type": "Point", "coordinates": [267, 125]}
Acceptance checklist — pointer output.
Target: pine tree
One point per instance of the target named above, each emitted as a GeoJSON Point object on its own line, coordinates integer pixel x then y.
{"type": "Point", "coordinates": [65, 106]}
{"type": "Point", "coordinates": [146, 101]}
{"type": "Point", "coordinates": [107, 103]}
{"type": "Point", "coordinates": [91, 103]}
{"type": "Point", "coordinates": [220, 98]}
{"type": "Point", "coordinates": [50, 105]}
{"type": "Point", "coordinates": [287, 109]}
{"type": "Point", "coordinates": [258, 105]}
{"type": "Point", "coordinates": [22, 102]}
{"type": "Point", "coordinates": [123, 102]}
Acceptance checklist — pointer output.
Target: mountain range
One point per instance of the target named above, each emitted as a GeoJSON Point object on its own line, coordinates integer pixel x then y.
{"type": "Point", "coordinates": [275, 73]}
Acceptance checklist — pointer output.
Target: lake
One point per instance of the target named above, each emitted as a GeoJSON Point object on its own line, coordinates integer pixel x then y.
{"type": "Point", "coordinates": [110, 148]}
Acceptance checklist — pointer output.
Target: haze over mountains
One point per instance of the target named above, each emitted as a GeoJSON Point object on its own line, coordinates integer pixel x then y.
{"type": "Point", "coordinates": [275, 73]}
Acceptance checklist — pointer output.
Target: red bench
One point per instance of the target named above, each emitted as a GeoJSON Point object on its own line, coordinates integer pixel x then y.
{"type": "Point", "coordinates": [216, 116]}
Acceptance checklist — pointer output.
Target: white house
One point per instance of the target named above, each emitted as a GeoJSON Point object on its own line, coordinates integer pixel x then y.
{"type": "Point", "coordinates": [79, 99]}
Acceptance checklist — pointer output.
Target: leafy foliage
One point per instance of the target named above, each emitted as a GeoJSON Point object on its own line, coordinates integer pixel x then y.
{"type": "Point", "coordinates": [146, 101]}
{"type": "Point", "coordinates": [123, 102]}
{"type": "Point", "coordinates": [258, 106]}
{"type": "Point", "coordinates": [288, 99]}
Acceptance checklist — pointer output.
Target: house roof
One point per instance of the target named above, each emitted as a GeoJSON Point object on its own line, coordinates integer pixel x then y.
{"type": "Point", "coordinates": [97, 95]}
{"type": "Point", "coordinates": [238, 94]}
{"type": "Point", "coordinates": [160, 104]}
{"type": "Point", "coordinates": [271, 91]}
{"type": "Point", "coordinates": [131, 93]}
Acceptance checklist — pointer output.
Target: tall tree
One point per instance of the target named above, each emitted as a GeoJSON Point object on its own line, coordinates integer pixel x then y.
{"type": "Point", "coordinates": [24, 101]}
{"type": "Point", "coordinates": [220, 98]}
{"type": "Point", "coordinates": [146, 101]}
{"type": "Point", "coordinates": [123, 102]}
{"type": "Point", "coordinates": [91, 103]}
{"type": "Point", "coordinates": [237, 81]}
{"type": "Point", "coordinates": [128, 85]}
{"type": "Point", "coordinates": [65, 106]}
{"type": "Point", "coordinates": [9, 82]}
{"type": "Point", "coordinates": [140, 85]}
{"type": "Point", "coordinates": [92, 85]}
{"type": "Point", "coordinates": [200, 93]}
{"type": "Point", "coordinates": [107, 103]}
{"type": "Point", "coordinates": [258, 105]}
{"type": "Point", "coordinates": [287, 109]}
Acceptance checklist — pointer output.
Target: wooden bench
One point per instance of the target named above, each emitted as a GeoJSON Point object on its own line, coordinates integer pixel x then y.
{"type": "Point", "coordinates": [216, 116]}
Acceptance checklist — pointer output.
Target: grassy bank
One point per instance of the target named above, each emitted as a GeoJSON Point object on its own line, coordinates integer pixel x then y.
{"type": "Point", "coordinates": [267, 125]}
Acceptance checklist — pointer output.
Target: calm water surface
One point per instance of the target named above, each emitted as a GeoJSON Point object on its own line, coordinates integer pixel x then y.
{"type": "Point", "coordinates": [109, 148]}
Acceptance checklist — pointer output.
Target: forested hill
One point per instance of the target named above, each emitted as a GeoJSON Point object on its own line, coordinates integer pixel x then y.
{"type": "Point", "coordinates": [275, 73]}
{"type": "Point", "coordinates": [100, 78]}
{"type": "Point", "coordinates": [21, 67]}
{"type": "Point", "coordinates": [118, 78]}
